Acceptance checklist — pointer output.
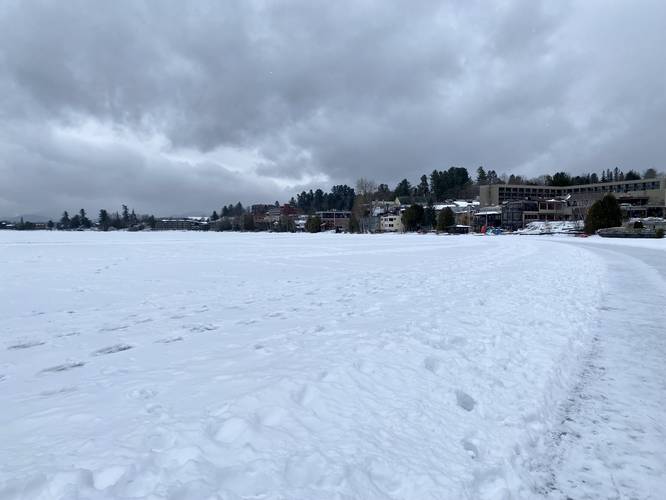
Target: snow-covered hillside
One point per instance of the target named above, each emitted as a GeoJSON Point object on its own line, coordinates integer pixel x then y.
{"type": "Point", "coordinates": [224, 366]}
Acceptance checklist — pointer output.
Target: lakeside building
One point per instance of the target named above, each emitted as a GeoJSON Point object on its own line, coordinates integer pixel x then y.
{"type": "Point", "coordinates": [182, 224]}
{"type": "Point", "coordinates": [521, 204]}
{"type": "Point", "coordinates": [335, 219]}
{"type": "Point", "coordinates": [391, 223]}
{"type": "Point", "coordinates": [517, 214]}
{"type": "Point", "coordinates": [649, 192]}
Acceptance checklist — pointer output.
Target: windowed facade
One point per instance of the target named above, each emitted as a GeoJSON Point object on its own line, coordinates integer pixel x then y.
{"type": "Point", "coordinates": [497, 194]}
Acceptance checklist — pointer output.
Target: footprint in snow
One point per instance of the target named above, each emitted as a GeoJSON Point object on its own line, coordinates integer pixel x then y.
{"type": "Point", "coordinates": [471, 449]}
{"type": "Point", "coordinates": [203, 328]}
{"type": "Point", "coordinates": [55, 392]}
{"type": "Point", "coordinates": [26, 345]}
{"type": "Point", "coordinates": [433, 364]}
{"type": "Point", "coordinates": [142, 394]}
{"type": "Point", "coordinates": [246, 322]}
{"type": "Point", "coordinates": [64, 367]}
{"type": "Point", "coordinates": [465, 401]}
{"type": "Point", "coordinates": [276, 314]}
{"type": "Point", "coordinates": [168, 340]}
{"type": "Point", "coordinates": [70, 334]}
{"type": "Point", "coordinates": [114, 328]}
{"type": "Point", "coordinates": [112, 349]}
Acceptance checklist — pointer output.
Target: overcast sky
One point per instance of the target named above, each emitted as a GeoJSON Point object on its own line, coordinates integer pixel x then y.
{"type": "Point", "coordinates": [179, 107]}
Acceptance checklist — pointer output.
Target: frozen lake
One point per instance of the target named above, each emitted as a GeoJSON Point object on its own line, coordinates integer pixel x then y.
{"type": "Point", "coordinates": [223, 366]}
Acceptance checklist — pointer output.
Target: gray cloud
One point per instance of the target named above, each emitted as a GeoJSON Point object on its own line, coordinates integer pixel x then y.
{"type": "Point", "coordinates": [173, 107]}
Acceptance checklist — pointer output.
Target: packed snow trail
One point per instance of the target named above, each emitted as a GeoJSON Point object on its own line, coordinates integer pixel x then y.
{"type": "Point", "coordinates": [612, 442]}
{"type": "Point", "coordinates": [228, 366]}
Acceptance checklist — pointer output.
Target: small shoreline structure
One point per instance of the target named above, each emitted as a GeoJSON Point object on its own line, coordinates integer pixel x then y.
{"type": "Point", "coordinates": [648, 227]}
{"type": "Point", "coordinates": [552, 227]}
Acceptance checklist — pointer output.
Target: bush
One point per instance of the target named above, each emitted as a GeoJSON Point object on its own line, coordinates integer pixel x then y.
{"type": "Point", "coordinates": [638, 225]}
{"type": "Point", "coordinates": [313, 224]}
{"type": "Point", "coordinates": [602, 214]}
{"type": "Point", "coordinates": [659, 233]}
{"type": "Point", "coordinates": [446, 219]}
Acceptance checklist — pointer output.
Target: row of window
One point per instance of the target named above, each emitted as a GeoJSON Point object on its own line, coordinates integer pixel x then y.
{"type": "Point", "coordinates": [592, 188]}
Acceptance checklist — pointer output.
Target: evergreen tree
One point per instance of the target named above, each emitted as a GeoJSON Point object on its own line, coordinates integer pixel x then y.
{"type": "Point", "coordinates": [75, 222]}
{"type": "Point", "coordinates": [492, 177]}
{"type": "Point", "coordinates": [248, 222]}
{"type": "Point", "coordinates": [561, 179]}
{"type": "Point", "coordinates": [214, 216]}
{"type": "Point", "coordinates": [451, 183]}
{"type": "Point", "coordinates": [50, 224]}
{"type": "Point", "coordinates": [384, 193]}
{"type": "Point", "coordinates": [445, 219]}
{"type": "Point", "coordinates": [650, 173]}
{"type": "Point", "coordinates": [429, 216]}
{"type": "Point", "coordinates": [404, 188]}
{"type": "Point", "coordinates": [318, 201]}
{"type": "Point", "coordinates": [116, 221]}
{"type": "Point", "coordinates": [313, 224]}
{"type": "Point", "coordinates": [103, 220]}
{"type": "Point", "coordinates": [126, 217]}
{"type": "Point", "coordinates": [481, 177]}
{"type": "Point", "coordinates": [65, 221]}
{"type": "Point", "coordinates": [85, 221]}
{"type": "Point", "coordinates": [602, 214]}
{"type": "Point", "coordinates": [632, 175]}
{"type": "Point", "coordinates": [423, 188]}
{"type": "Point", "coordinates": [412, 218]}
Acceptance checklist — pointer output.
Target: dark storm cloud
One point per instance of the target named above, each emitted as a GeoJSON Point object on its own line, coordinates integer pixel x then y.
{"type": "Point", "coordinates": [177, 107]}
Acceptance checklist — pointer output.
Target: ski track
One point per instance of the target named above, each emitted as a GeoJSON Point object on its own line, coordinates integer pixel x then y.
{"type": "Point", "coordinates": [223, 366]}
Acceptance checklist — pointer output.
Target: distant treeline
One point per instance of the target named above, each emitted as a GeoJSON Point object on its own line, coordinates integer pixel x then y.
{"type": "Point", "coordinates": [439, 186]}
{"type": "Point", "coordinates": [126, 219]}
{"type": "Point", "coordinates": [454, 183]}
{"type": "Point", "coordinates": [565, 179]}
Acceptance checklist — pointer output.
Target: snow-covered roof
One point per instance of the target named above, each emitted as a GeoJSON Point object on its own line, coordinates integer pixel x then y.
{"type": "Point", "coordinates": [465, 204]}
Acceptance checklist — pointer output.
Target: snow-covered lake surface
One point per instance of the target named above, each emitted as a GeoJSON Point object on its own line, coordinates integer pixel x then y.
{"type": "Point", "coordinates": [228, 366]}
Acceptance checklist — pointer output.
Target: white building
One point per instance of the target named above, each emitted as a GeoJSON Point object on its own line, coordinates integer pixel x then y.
{"type": "Point", "coordinates": [391, 223]}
